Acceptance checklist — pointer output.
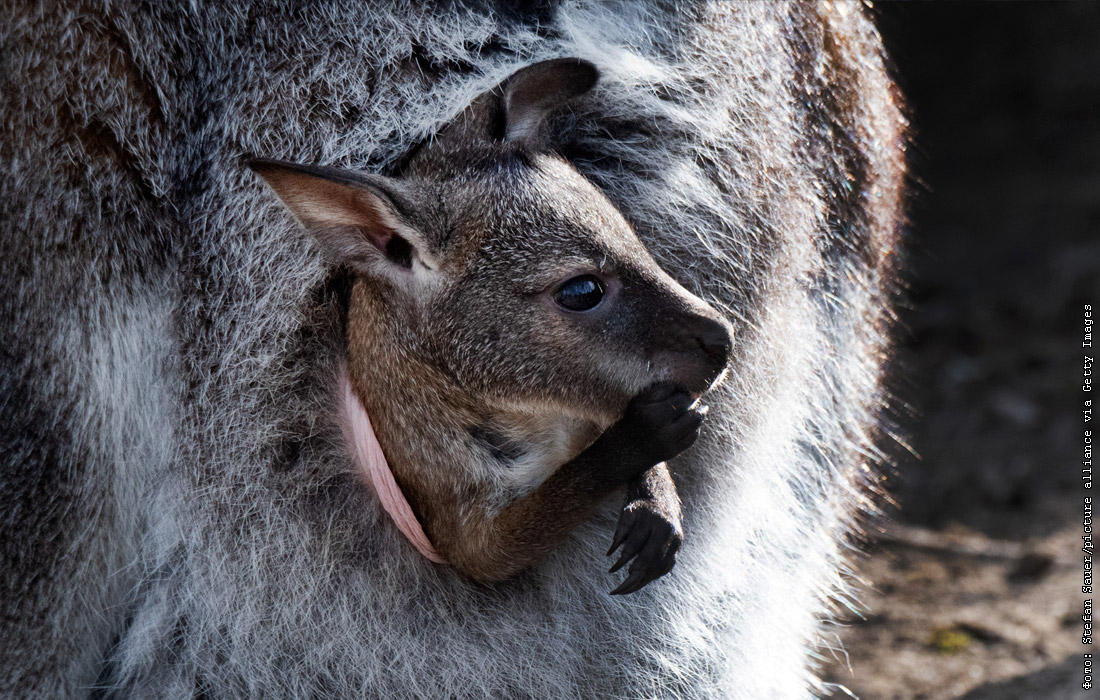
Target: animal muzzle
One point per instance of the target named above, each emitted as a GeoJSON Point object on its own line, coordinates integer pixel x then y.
{"type": "Point", "coordinates": [696, 352]}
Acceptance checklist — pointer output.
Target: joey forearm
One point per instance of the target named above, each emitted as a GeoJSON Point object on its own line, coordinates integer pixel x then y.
{"type": "Point", "coordinates": [658, 424]}
{"type": "Point", "coordinates": [530, 528]}
{"type": "Point", "coordinates": [655, 486]}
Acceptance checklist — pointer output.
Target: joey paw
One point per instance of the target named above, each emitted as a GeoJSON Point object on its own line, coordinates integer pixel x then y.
{"type": "Point", "coordinates": [662, 422]}
{"type": "Point", "coordinates": [651, 538]}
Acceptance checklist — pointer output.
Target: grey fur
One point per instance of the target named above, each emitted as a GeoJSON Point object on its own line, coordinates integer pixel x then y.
{"type": "Point", "coordinates": [180, 519]}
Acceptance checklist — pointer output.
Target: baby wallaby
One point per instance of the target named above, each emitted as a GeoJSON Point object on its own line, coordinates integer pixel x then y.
{"type": "Point", "coordinates": [520, 354]}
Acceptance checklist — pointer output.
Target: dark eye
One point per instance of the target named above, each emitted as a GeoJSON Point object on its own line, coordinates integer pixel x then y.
{"type": "Point", "coordinates": [580, 293]}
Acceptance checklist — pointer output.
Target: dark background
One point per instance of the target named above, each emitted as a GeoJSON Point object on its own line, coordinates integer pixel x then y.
{"type": "Point", "coordinates": [975, 587]}
{"type": "Point", "coordinates": [1004, 250]}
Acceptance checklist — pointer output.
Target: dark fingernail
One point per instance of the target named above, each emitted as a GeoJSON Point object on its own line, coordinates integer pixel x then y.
{"type": "Point", "coordinates": [619, 539]}
{"type": "Point", "coordinates": [627, 586]}
{"type": "Point", "coordinates": [634, 582]}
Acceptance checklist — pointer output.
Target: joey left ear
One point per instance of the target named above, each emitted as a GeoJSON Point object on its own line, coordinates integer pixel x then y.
{"type": "Point", "coordinates": [356, 218]}
{"type": "Point", "coordinates": [533, 93]}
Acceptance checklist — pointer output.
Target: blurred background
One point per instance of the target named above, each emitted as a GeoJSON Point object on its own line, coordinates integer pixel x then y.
{"type": "Point", "coordinates": [973, 591]}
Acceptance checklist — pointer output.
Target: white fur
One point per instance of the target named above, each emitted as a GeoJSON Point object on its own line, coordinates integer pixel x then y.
{"type": "Point", "coordinates": [246, 581]}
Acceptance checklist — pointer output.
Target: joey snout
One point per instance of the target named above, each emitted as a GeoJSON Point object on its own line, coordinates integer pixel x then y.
{"type": "Point", "coordinates": [694, 352]}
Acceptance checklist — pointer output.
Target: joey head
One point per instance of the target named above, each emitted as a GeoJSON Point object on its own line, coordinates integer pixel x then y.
{"type": "Point", "coordinates": [520, 354]}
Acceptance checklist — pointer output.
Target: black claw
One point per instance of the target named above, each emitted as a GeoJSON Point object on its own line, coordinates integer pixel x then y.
{"type": "Point", "coordinates": [650, 542]}
{"type": "Point", "coordinates": [623, 559]}
{"type": "Point", "coordinates": [635, 541]}
{"type": "Point", "coordinates": [620, 534]}
{"type": "Point", "coordinates": [655, 557]}
{"type": "Point", "coordinates": [633, 582]}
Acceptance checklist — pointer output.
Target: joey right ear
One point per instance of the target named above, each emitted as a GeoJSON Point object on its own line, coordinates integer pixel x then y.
{"type": "Point", "coordinates": [355, 217]}
{"type": "Point", "coordinates": [533, 93]}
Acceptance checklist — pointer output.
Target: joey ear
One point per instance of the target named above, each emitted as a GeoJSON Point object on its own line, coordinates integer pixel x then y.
{"type": "Point", "coordinates": [356, 218]}
{"type": "Point", "coordinates": [531, 94]}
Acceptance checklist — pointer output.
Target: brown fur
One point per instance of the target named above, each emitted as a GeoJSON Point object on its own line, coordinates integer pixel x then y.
{"type": "Point", "coordinates": [452, 329]}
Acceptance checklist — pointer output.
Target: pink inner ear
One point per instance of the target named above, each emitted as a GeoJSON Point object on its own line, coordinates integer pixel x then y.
{"type": "Point", "coordinates": [373, 467]}
{"type": "Point", "coordinates": [374, 226]}
{"type": "Point", "coordinates": [378, 225]}
{"type": "Point", "coordinates": [377, 235]}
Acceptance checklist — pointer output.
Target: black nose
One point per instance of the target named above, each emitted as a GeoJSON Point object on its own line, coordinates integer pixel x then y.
{"type": "Point", "coordinates": [716, 341]}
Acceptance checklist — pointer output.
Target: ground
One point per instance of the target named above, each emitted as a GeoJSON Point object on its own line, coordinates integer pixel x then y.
{"type": "Point", "coordinates": [973, 587]}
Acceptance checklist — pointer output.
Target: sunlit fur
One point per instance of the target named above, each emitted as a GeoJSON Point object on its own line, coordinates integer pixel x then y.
{"type": "Point", "coordinates": [181, 518]}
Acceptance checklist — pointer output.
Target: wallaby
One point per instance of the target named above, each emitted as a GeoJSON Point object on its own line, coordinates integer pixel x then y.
{"type": "Point", "coordinates": [502, 316]}
{"type": "Point", "coordinates": [182, 516]}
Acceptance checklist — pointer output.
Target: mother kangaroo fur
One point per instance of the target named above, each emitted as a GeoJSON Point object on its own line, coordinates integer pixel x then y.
{"type": "Point", "coordinates": [181, 516]}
